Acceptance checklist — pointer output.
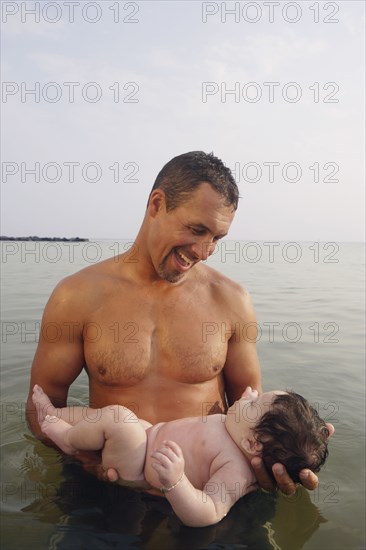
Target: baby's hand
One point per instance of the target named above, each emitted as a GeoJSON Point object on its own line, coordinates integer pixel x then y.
{"type": "Point", "coordinates": [169, 463]}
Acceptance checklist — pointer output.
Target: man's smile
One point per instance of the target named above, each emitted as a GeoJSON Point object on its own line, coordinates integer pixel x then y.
{"type": "Point", "coordinates": [182, 259]}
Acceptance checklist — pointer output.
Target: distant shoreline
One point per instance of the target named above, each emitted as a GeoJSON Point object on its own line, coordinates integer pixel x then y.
{"type": "Point", "coordinates": [63, 239]}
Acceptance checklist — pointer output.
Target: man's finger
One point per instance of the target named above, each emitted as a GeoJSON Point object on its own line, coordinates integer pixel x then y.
{"type": "Point", "coordinates": [264, 480]}
{"type": "Point", "coordinates": [112, 475]}
{"type": "Point", "coordinates": [284, 482]}
{"type": "Point", "coordinates": [309, 479]}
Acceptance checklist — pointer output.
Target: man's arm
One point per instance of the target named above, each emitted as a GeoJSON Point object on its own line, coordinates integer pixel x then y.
{"type": "Point", "coordinates": [242, 369]}
{"type": "Point", "coordinates": [59, 357]}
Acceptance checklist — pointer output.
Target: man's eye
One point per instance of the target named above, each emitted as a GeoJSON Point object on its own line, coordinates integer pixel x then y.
{"type": "Point", "coordinates": [197, 231]}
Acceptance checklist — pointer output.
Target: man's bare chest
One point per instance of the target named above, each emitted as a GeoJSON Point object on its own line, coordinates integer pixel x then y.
{"type": "Point", "coordinates": [127, 341]}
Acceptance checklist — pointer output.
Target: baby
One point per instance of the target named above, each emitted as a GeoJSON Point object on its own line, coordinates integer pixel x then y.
{"type": "Point", "coordinates": [201, 464]}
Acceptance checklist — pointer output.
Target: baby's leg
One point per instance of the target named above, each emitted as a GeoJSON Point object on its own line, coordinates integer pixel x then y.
{"type": "Point", "coordinates": [42, 404]}
{"type": "Point", "coordinates": [71, 415]}
{"type": "Point", "coordinates": [125, 443]}
{"type": "Point", "coordinates": [58, 430]}
{"type": "Point", "coordinates": [115, 429]}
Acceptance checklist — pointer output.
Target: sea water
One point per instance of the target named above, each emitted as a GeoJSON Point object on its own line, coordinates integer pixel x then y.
{"type": "Point", "coordinates": [309, 300]}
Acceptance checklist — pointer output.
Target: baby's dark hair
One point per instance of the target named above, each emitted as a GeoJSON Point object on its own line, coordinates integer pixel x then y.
{"type": "Point", "coordinates": [293, 434]}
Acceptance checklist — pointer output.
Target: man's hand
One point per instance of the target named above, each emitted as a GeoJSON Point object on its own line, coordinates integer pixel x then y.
{"type": "Point", "coordinates": [91, 462]}
{"type": "Point", "coordinates": [102, 474]}
{"type": "Point", "coordinates": [285, 484]}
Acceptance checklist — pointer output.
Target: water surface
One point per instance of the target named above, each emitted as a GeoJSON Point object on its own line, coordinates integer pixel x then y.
{"type": "Point", "coordinates": [309, 299]}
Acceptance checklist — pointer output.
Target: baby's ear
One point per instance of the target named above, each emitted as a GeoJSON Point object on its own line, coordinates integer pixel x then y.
{"type": "Point", "coordinates": [252, 446]}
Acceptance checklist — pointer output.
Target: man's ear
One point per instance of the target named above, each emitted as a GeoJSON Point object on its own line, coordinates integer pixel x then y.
{"type": "Point", "coordinates": [252, 446]}
{"type": "Point", "coordinates": [156, 202]}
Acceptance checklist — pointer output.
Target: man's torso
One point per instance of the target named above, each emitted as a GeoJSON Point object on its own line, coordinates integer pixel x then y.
{"type": "Point", "coordinates": [166, 342]}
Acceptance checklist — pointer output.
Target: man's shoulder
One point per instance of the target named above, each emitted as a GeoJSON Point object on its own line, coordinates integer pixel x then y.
{"type": "Point", "coordinates": [90, 279]}
{"type": "Point", "coordinates": [222, 284]}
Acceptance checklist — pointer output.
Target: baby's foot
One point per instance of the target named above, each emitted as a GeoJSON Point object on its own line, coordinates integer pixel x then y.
{"type": "Point", "coordinates": [57, 429]}
{"type": "Point", "coordinates": [42, 403]}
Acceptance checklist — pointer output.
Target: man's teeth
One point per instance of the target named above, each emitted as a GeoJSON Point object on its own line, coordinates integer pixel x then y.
{"type": "Point", "coordinates": [184, 258]}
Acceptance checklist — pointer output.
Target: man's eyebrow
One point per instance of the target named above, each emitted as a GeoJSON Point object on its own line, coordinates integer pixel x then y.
{"type": "Point", "coordinates": [205, 228]}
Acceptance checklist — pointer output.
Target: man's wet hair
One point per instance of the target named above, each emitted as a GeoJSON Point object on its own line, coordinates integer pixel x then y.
{"type": "Point", "coordinates": [182, 175]}
{"type": "Point", "coordinates": [293, 434]}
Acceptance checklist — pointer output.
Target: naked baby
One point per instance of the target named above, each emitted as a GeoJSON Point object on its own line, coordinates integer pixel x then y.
{"type": "Point", "coordinates": [201, 464]}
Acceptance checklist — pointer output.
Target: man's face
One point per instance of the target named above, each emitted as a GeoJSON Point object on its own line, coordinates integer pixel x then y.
{"type": "Point", "coordinates": [189, 233]}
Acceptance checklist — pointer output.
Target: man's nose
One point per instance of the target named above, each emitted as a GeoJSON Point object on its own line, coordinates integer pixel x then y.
{"type": "Point", "coordinates": [203, 249]}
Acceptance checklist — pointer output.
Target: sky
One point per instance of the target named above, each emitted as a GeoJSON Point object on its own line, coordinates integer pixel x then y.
{"type": "Point", "coordinates": [98, 96]}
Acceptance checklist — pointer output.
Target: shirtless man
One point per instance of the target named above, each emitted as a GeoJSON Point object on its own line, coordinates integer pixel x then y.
{"type": "Point", "coordinates": [155, 329]}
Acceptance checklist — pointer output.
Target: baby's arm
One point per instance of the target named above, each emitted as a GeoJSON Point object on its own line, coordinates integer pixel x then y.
{"type": "Point", "coordinates": [194, 507]}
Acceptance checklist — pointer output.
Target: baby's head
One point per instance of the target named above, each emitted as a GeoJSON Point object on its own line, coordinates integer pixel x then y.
{"type": "Point", "coordinates": [280, 427]}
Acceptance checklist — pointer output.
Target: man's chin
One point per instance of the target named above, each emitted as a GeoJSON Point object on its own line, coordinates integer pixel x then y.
{"type": "Point", "coordinates": [171, 276]}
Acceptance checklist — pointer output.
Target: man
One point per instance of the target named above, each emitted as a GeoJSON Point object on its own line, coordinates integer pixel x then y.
{"type": "Point", "coordinates": [158, 331]}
